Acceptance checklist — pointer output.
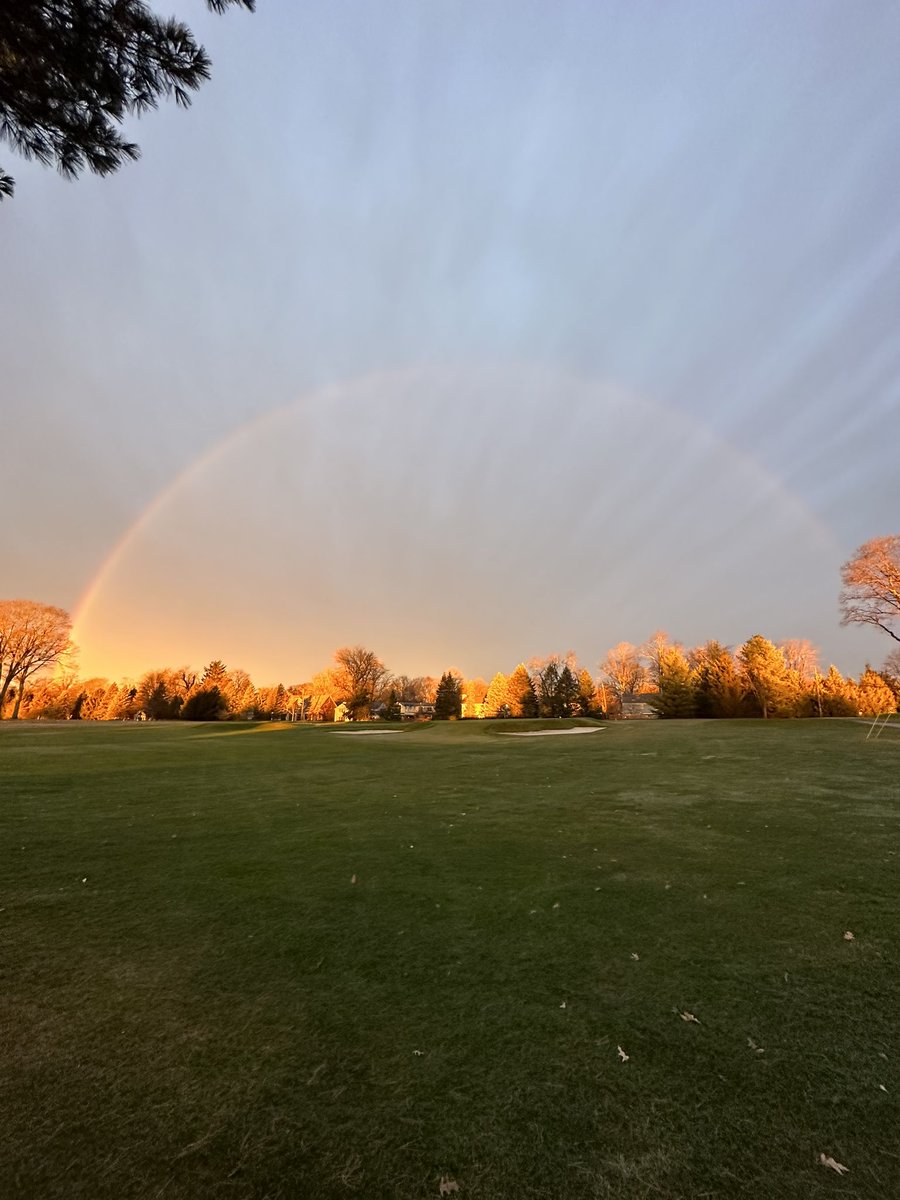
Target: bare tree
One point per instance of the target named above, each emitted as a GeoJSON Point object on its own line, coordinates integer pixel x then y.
{"type": "Point", "coordinates": [33, 636]}
{"type": "Point", "coordinates": [654, 650]}
{"type": "Point", "coordinates": [362, 673]}
{"type": "Point", "coordinates": [801, 655]}
{"type": "Point", "coordinates": [871, 592]}
{"type": "Point", "coordinates": [622, 669]}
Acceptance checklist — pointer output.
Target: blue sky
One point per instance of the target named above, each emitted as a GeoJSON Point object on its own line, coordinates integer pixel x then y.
{"type": "Point", "coordinates": [693, 205]}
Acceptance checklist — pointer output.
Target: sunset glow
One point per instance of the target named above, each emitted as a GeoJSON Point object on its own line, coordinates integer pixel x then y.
{"type": "Point", "coordinates": [476, 517]}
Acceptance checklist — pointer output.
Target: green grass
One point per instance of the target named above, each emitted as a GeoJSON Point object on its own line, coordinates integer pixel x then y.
{"type": "Point", "coordinates": [197, 1002]}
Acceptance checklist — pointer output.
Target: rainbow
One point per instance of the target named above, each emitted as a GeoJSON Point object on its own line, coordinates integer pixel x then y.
{"type": "Point", "coordinates": [376, 388]}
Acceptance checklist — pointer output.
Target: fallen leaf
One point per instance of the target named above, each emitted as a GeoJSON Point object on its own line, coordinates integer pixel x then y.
{"type": "Point", "coordinates": [849, 937]}
{"type": "Point", "coordinates": [353, 879]}
{"type": "Point", "coordinates": [827, 1161]}
{"type": "Point", "coordinates": [636, 957]}
{"type": "Point", "coordinates": [622, 1055]}
{"type": "Point", "coordinates": [556, 905]}
{"type": "Point", "coordinates": [563, 1005]}
{"type": "Point", "coordinates": [883, 1088]}
{"type": "Point", "coordinates": [689, 1016]}
{"type": "Point", "coordinates": [753, 1046]}
{"type": "Point", "coordinates": [418, 1053]}
{"type": "Point", "coordinates": [447, 1185]}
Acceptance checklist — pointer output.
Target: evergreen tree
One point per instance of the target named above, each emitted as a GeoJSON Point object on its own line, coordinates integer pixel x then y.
{"type": "Point", "coordinates": [206, 704]}
{"type": "Point", "coordinates": [567, 692]}
{"type": "Point", "coordinates": [548, 690]}
{"type": "Point", "coordinates": [392, 706]}
{"type": "Point", "coordinates": [448, 701]}
{"type": "Point", "coordinates": [215, 676]}
{"type": "Point", "coordinates": [675, 680]}
{"type": "Point", "coordinates": [838, 696]}
{"type": "Point", "coordinates": [875, 697]}
{"type": "Point", "coordinates": [523, 701]}
{"type": "Point", "coordinates": [718, 688]}
{"type": "Point", "coordinates": [765, 674]}
{"type": "Point", "coordinates": [497, 698]}
{"type": "Point", "coordinates": [586, 700]}
{"type": "Point", "coordinates": [72, 70]}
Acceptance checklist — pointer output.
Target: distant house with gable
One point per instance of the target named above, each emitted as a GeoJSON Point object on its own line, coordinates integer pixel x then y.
{"type": "Point", "coordinates": [416, 710]}
{"type": "Point", "coordinates": [320, 708]}
{"type": "Point", "coordinates": [638, 706]}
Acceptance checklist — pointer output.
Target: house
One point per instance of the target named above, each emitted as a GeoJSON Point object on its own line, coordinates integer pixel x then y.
{"type": "Point", "coordinates": [416, 710]}
{"type": "Point", "coordinates": [320, 708]}
{"type": "Point", "coordinates": [638, 706]}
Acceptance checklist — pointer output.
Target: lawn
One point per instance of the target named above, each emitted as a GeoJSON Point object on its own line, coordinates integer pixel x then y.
{"type": "Point", "coordinates": [199, 1001]}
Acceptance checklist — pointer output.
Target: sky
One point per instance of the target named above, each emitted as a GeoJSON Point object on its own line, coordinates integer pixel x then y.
{"type": "Point", "coordinates": [469, 332]}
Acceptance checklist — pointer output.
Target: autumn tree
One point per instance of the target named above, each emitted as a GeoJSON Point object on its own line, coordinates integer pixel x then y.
{"type": "Point", "coordinates": [121, 701]}
{"type": "Point", "coordinates": [159, 694]}
{"type": "Point", "coordinates": [214, 675]}
{"type": "Point", "coordinates": [239, 692]}
{"type": "Point", "coordinates": [875, 697]}
{"type": "Point", "coordinates": [51, 698]}
{"type": "Point", "coordinates": [835, 695]}
{"type": "Point", "coordinates": [473, 696]}
{"type": "Point", "coordinates": [586, 700]}
{"type": "Point", "coordinates": [719, 691]}
{"type": "Point", "coordinates": [497, 699]}
{"type": "Point", "coordinates": [72, 70]}
{"type": "Point", "coordinates": [33, 637]}
{"type": "Point", "coordinates": [676, 691]}
{"type": "Point", "coordinates": [871, 592]}
{"type": "Point", "coordinates": [764, 672]}
{"type": "Point", "coordinates": [94, 699]}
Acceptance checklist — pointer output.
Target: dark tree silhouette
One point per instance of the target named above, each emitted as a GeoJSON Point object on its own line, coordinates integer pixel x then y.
{"type": "Point", "coordinates": [205, 705]}
{"type": "Point", "coordinates": [72, 70]}
{"type": "Point", "coordinates": [448, 701]}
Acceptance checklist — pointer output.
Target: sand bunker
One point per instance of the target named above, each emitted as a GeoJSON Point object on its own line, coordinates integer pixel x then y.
{"type": "Point", "coordinates": [364, 732]}
{"type": "Point", "coordinates": [550, 732]}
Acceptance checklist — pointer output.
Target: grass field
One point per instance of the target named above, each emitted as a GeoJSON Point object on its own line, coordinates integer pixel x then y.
{"type": "Point", "coordinates": [197, 1001]}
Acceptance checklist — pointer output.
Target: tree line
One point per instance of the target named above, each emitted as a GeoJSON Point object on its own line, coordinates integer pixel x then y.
{"type": "Point", "coordinates": [39, 678]}
{"type": "Point", "coordinates": [759, 679]}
